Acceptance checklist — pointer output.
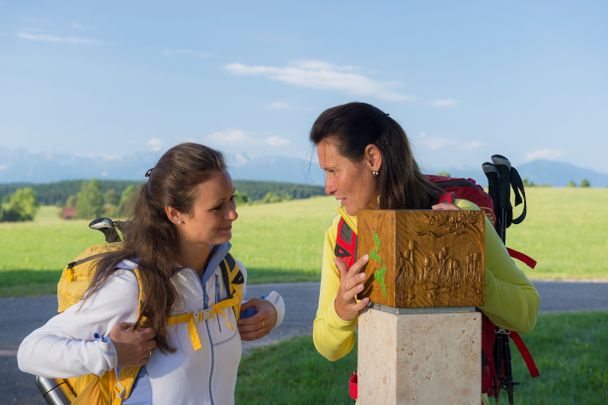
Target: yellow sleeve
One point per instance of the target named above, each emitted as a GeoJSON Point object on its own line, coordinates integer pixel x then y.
{"type": "Point", "coordinates": [511, 301]}
{"type": "Point", "coordinates": [333, 337]}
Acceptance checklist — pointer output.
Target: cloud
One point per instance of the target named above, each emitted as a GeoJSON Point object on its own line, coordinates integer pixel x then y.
{"type": "Point", "coordinates": [550, 154]}
{"type": "Point", "coordinates": [433, 143]}
{"type": "Point", "coordinates": [238, 140]}
{"type": "Point", "coordinates": [185, 52]}
{"type": "Point", "coordinates": [3, 166]}
{"type": "Point", "coordinates": [323, 76]}
{"type": "Point", "coordinates": [277, 141]}
{"type": "Point", "coordinates": [155, 144]}
{"type": "Point", "coordinates": [57, 39]}
{"type": "Point", "coordinates": [278, 105]}
{"type": "Point", "coordinates": [443, 103]}
{"type": "Point", "coordinates": [436, 143]}
{"type": "Point", "coordinates": [227, 138]}
{"type": "Point", "coordinates": [472, 145]}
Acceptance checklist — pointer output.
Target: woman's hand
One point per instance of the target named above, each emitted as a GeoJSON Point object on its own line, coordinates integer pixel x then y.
{"type": "Point", "coordinates": [351, 284]}
{"type": "Point", "coordinates": [260, 324]}
{"type": "Point", "coordinates": [445, 207]}
{"type": "Point", "coordinates": [133, 347]}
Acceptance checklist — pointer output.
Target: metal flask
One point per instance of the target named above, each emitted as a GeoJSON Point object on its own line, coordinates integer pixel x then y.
{"type": "Point", "coordinates": [51, 391]}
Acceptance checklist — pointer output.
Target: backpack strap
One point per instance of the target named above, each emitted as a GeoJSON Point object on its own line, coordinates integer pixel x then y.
{"type": "Point", "coordinates": [234, 281]}
{"type": "Point", "coordinates": [522, 257]}
{"type": "Point", "coordinates": [525, 353]}
{"type": "Point", "coordinates": [346, 243]}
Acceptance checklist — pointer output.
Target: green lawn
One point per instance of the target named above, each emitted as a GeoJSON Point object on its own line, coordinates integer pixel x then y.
{"type": "Point", "coordinates": [570, 350]}
{"type": "Point", "coordinates": [565, 231]}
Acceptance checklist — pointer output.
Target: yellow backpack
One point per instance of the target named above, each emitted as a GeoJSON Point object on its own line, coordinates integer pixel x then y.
{"type": "Point", "coordinates": [112, 387]}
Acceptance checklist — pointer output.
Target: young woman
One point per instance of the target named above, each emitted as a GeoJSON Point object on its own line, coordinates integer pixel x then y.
{"type": "Point", "coordinates": [368, 163]}
{"type": "Point", "coordinates": [177, 237]}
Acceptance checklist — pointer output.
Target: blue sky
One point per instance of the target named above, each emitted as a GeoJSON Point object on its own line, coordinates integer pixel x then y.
{"type": "Point", "coordinates": [465, 79]}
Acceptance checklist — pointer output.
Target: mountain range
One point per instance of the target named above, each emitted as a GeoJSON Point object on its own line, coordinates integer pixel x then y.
{"type": "Point", "coordinates": [28, 167]}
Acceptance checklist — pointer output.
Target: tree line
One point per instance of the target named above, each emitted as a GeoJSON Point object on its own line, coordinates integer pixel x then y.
{"type": "Point", "coordinates": [94, 198]}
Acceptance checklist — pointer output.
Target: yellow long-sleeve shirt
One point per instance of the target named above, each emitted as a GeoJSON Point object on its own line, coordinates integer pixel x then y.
{"type": "Point", "coordinates": [511, 301]}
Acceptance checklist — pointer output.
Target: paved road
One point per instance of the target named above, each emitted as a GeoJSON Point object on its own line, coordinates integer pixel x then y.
{"type": "Point", "coordinates": [19, 316]}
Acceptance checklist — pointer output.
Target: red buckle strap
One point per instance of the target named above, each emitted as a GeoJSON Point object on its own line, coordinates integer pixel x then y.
{"type": "Point", "coordinates": [352, 385]}
{"type": "Point", "coordinates": [522, 257]}
{"type": "Point", "coordinates": [525, 353]}
{"type": "Point", "coordinates": [448, 198]}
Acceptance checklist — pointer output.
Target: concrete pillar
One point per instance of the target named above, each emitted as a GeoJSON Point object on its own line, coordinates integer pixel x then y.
{"type": "Point", "coordinates": [419, 356]}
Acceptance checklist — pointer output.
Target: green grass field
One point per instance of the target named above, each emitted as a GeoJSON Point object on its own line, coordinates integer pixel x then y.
{"type": "Point", "coordinates": [569, 349]}
{"type": "Point", "coordinates": [565, 231]}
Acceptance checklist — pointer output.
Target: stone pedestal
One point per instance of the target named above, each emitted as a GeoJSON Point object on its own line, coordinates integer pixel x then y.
{"type": "Point", "coordinates": [419, 356]}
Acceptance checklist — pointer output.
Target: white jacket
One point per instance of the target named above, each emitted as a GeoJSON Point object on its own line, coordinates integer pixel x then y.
{"type": "Point", "coordinates": [73, 343]}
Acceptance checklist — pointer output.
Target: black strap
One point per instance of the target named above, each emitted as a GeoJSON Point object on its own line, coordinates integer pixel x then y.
{"type": "Point", "coordinates": [520, 194]}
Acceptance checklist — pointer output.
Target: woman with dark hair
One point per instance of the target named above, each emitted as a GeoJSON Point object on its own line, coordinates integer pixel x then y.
{"type": "Point", "coordinates": [369, 164]}
{"type": "Point", "coordinates": [177, 239]}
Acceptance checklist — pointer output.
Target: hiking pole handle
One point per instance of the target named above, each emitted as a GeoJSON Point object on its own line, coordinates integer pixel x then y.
{"type": "Point", "coordinates": [492, 174]}
{"type": "Point", "coordinates": [106, 226]}
{"type": "Point", "coordinates": [503, 166]}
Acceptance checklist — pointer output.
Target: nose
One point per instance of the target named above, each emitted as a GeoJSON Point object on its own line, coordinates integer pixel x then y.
{"type": "Point", "coordinates": [232, 215]}
{"type": "Point", "coordinates": [330, 187]}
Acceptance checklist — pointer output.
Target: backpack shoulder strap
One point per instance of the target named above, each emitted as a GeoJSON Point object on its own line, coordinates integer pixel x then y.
{"type": "Point", "coordinates": [346, 243]}
{"type": "Point", "coordinates": [234, 282]}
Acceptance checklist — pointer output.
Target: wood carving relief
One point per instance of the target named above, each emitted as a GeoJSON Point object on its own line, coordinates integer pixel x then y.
{"type": "Point", "coordinates": [423, 258]}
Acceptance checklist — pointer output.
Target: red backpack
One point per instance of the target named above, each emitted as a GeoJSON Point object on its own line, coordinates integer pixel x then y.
{"type": "Point", "coordinates": [496, 356]}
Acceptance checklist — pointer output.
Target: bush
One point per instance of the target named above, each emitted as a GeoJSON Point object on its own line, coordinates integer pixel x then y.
{"type": "Point", "coordinates": [21, 206]}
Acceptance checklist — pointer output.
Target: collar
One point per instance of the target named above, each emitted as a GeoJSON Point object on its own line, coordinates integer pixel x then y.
{"type": "Point", "coordinates": [216, 256]}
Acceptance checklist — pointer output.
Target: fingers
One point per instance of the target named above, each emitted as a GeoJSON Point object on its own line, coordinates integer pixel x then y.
{"type": "Point", "coordinates": [350, 294]}
{"type": "Point", "coordinates": [249, 304]}
{"type": "Point", "coordinates": [358, 265]}
{"type": "Point", "coordinates": [445, 207]}
{"type": "Point", "coordinates": [341, 267]}
{"type": "Point", "coordinates": [260, 324]}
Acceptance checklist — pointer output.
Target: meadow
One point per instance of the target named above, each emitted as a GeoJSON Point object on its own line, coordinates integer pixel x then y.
{"type": "Point", "coordinates": [566, 347]}
{"type": "Point", "coordinates": [565, 230]}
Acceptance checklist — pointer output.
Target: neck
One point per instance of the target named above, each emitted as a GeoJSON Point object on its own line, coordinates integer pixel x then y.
{"type": "Point", "coordinates": [194, 256]}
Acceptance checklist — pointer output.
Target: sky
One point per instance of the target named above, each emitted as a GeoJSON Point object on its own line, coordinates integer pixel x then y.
{"type": "Point", "coordinates": [467, 79]}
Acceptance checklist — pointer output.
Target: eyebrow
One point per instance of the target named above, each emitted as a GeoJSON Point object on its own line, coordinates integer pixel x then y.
{"type": "Point", "coordinates": [222, 199]}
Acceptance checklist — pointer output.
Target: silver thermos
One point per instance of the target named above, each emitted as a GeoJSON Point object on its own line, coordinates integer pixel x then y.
{"type": "Point", "coordinates": [51, 391]}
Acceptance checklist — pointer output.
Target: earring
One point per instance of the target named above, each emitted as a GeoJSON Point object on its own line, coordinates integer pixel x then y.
{"type": "Point", "coordinates": [375, 173]}
{"type": "Point", "coordinates": [179, 222]}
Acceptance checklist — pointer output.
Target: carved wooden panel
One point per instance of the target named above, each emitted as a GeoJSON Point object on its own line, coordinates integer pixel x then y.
{"type": "Point", "coordinates": [422, 258]}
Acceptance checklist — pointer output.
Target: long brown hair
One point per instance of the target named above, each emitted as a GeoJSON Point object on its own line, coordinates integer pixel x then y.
{"type": "Point", "coordinates": [354, 126]}
{"type": "Point", "coordinates": [151, 238]}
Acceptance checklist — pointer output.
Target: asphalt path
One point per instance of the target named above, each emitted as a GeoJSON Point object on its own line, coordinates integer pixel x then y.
{"type": "Point", "coordinates": [19, 316]}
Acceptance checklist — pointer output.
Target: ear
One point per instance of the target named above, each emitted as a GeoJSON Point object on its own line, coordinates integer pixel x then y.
{"type": "Point", "coordinates": [373, 157]}
{"type": "Point", "coordinates": [173, 214]}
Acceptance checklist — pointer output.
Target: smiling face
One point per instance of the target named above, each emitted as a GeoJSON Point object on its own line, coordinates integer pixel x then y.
{"type": "Point", "coordinates": [351, 182]}
{"type": "Point", "coordinates": [213, 211]}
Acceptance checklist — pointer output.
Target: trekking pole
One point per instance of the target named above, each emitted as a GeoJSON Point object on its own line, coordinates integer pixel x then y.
{"type": "Point", "coordinates": [492, 174]}
{"type": "Point", "coordinates": [503, 208]}
{"type": "Point", "coordinates": [106, 225]}
{"type": "Point", "coordinates": [504, 215]}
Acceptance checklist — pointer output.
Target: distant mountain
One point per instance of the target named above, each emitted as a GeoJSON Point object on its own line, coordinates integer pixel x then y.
{"type": "Point", "coordinates": [539, 172]}
{"type": "Point", "coordinates": [28, 167]}
{"type": "Point", "coordinates": [560, 173]}
{"type": "Point", "coordinates": [24, 166]}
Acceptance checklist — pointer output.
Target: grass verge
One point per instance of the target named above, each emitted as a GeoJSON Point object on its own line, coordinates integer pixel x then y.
{"type": "Point", "coordinates": [570, 349]}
